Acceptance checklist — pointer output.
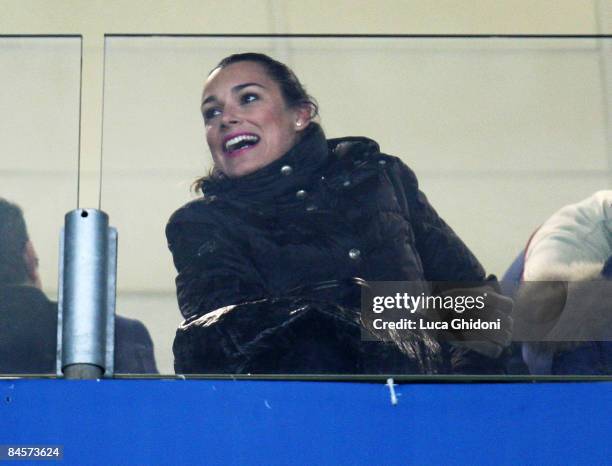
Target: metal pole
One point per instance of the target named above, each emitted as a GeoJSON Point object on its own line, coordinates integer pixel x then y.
{"type": "Point", "coordinates": [86, 295]}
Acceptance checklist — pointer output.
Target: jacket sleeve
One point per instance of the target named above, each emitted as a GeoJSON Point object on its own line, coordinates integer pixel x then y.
{"type": "Point", "coordinates": [214, 269]}
{"type": "Point", "coordinates": [449, 264]}
{"type": "Point", "coordinates": [445, 258]}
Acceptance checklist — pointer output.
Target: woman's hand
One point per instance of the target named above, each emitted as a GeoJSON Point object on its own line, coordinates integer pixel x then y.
{"type": "Point", "coordinates": [497, 308]}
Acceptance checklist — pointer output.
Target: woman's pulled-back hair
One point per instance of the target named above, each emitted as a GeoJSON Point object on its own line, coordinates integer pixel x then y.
{"type": "Point", "coordinates": [293, 92]}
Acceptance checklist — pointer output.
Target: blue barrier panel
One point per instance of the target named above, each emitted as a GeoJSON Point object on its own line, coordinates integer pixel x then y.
{"type": "Point", "coordinates": [151, 422]}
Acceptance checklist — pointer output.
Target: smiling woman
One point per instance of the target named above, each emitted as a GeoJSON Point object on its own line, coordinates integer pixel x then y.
{"type": "Point", "coordinates": [291, 226]}
{"type": "Point", "coordinates": [247, 122]}
{"type": "Point", "coordinates": [250, 121]}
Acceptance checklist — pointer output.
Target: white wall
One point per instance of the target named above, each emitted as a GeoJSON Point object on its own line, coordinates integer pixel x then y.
{"type": "Point", "coordinates": [500, 132]}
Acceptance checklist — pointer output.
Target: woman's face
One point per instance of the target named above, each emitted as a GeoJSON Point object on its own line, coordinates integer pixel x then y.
{"type": "Point", "coordinates": [248, 125]}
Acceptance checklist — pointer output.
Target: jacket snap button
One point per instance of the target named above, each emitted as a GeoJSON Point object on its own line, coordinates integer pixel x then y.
{"type": "Point", "coordinates": [301, 194]}
{"type": "Point", "coordinates": [347, 183]}
{"type": "Point", "coordinates": [354, 254]}
{"type": "Point", "coordinates": [286, 170]}
{"type": "Point", "coordinates": [311, 208]}
{"type": "Point", "coordinates": [382, 162]}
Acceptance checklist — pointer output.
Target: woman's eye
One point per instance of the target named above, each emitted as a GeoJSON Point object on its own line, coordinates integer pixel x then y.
{"type": "Point", "coordinates": [248, 98]}
{"type": "Point", "coordinates": [210, 113]}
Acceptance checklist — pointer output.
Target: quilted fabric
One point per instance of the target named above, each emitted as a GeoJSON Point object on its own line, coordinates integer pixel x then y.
{"type": "Point", "coordinates": [327, 210]}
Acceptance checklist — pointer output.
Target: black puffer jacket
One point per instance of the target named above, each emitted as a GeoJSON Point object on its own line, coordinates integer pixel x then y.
{"type": "Point", "coordinates": [327, 210]}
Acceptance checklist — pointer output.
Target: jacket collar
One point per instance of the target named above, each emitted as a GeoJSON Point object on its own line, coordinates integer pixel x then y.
{"type": "Point", "coordinates": [296, 167]}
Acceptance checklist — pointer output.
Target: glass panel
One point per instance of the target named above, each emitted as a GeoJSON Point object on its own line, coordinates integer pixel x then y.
{"type": "Point", "coordinates": [501, 133]}
{"type": "Point", "coordinates": [39, 91]}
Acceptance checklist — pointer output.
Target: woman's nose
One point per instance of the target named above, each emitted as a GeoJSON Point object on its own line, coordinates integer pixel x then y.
{"type": "Point", "coordinates": [230, 116]}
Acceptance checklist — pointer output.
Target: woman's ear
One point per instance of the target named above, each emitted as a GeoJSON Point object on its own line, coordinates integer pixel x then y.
{"type": "Point", "coordinates": [303, 116]}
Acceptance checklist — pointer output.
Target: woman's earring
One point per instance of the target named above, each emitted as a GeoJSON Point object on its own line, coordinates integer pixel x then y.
{"type": "Point", "coordinates": [298, 124]}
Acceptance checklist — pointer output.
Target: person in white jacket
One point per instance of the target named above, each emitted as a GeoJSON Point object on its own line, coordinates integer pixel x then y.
{"type": "Point", "coordinates": [576, 240]}
{"type": "Point", "coordinates": [565, 297]}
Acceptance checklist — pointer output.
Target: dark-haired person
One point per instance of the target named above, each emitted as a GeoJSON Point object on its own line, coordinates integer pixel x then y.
{"type": "Point", "coordinates": [287, 222]}
{"type": "Point", "coordinates": [28, 319]}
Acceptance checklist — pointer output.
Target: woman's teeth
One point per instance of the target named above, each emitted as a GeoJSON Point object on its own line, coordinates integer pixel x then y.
{"type": "Point", "coordinates": [240, 141]}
